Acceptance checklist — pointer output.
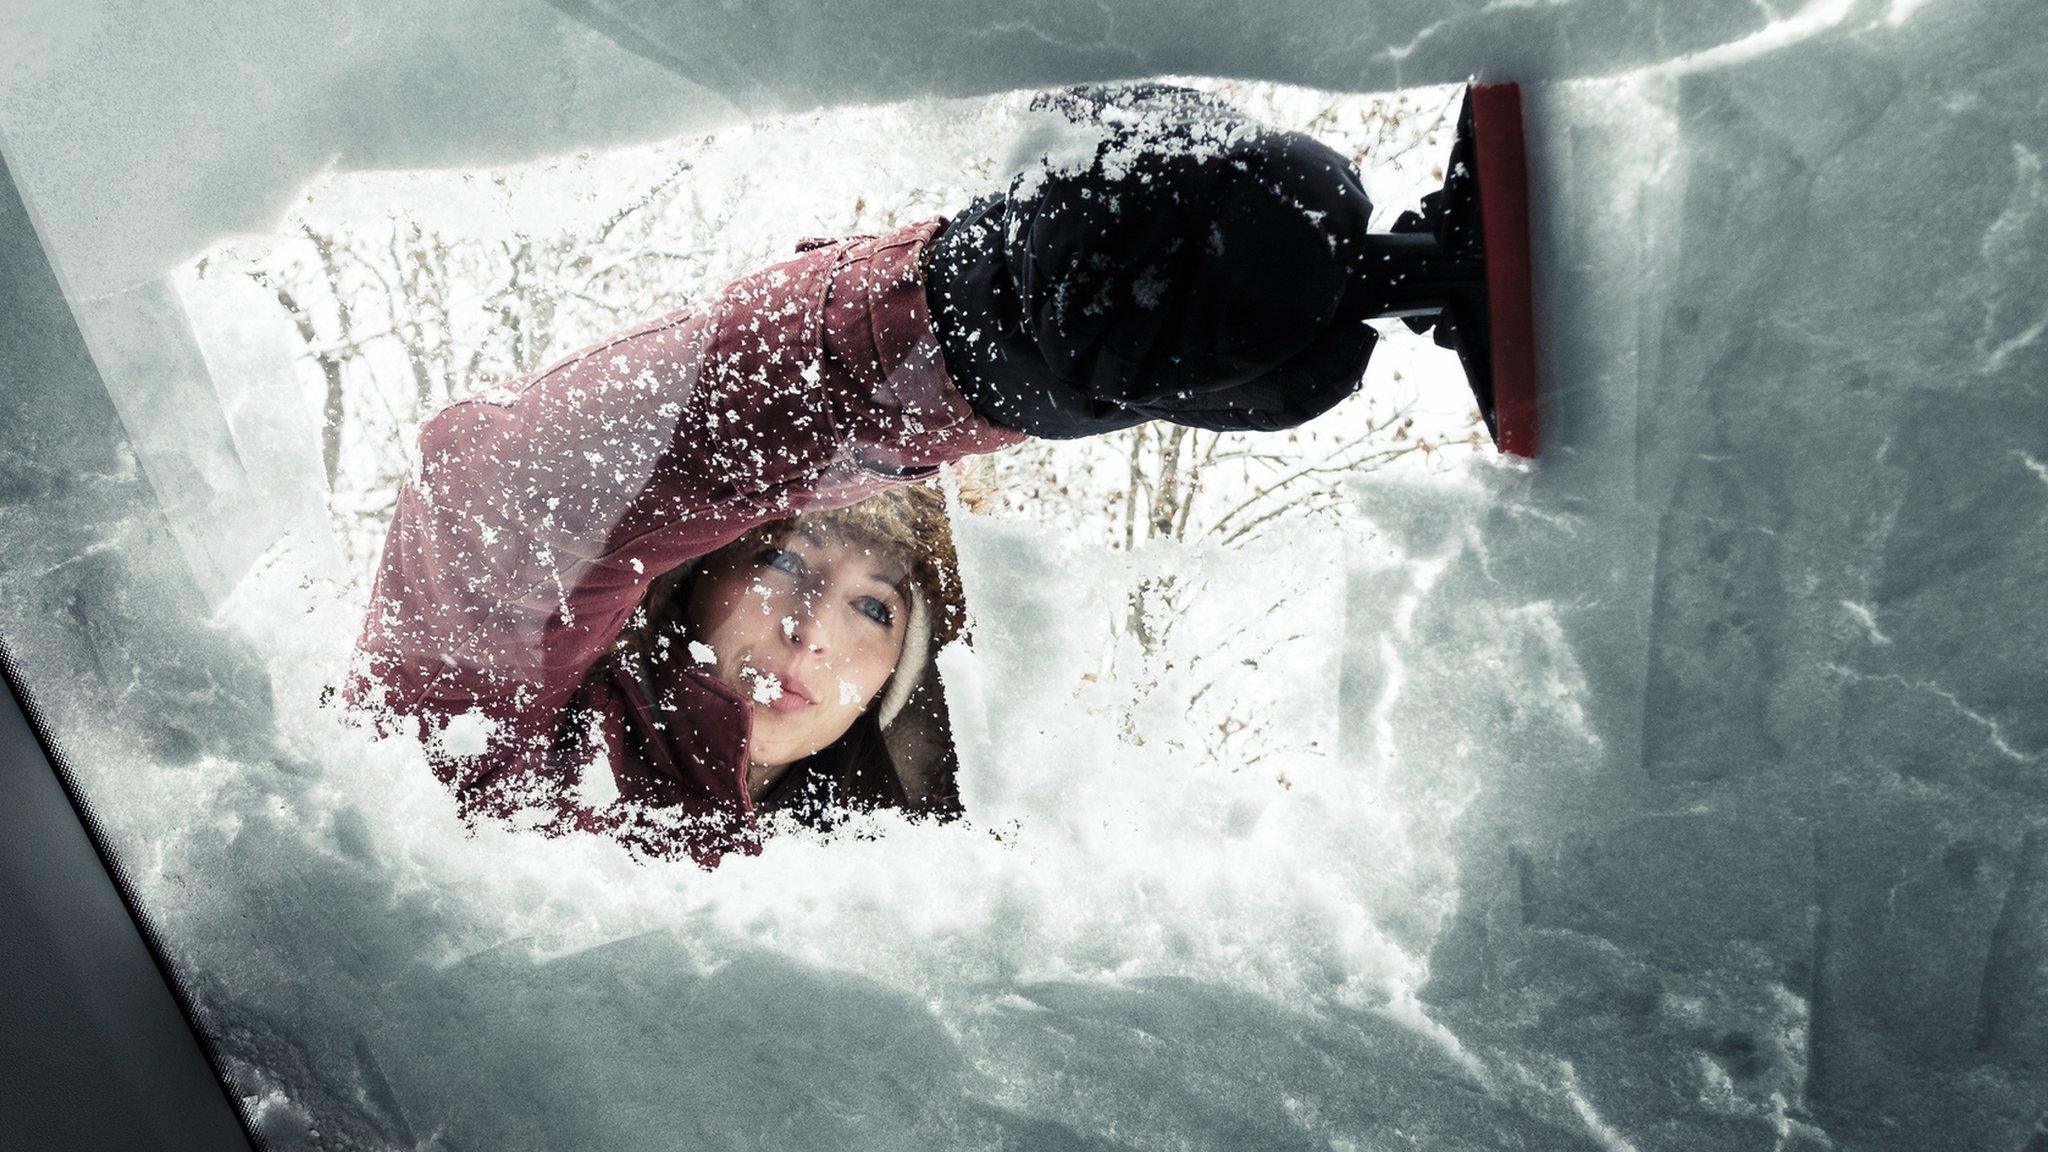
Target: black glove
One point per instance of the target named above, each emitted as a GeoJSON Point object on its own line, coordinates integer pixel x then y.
{"type": "Point", "coordinates": [1202, 270]}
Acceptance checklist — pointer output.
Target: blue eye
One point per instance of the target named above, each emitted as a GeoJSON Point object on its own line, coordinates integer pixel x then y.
{"type": "Point", "coordinates": [781, 560]}
{"type": "Point", "coordinates": [877, 611]}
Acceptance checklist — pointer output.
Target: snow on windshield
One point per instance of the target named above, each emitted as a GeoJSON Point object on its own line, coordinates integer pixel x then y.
{"type": "Point", "coordinates": [1353, 790]}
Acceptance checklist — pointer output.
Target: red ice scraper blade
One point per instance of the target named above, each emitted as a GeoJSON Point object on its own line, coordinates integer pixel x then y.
{"type": "Point", "coordinates": [1504, 219]}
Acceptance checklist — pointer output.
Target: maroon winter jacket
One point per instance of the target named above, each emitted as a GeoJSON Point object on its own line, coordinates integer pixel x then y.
{"type": "Point", "coordinates": [538, 515]}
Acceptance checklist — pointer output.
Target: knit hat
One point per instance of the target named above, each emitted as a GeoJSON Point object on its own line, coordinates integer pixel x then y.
{"type": "Point", "coordinates": [917, 646]}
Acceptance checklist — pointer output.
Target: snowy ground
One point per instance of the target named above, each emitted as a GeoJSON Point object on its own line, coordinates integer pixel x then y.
{"type": "Point", "coordinates": [1683, 791]}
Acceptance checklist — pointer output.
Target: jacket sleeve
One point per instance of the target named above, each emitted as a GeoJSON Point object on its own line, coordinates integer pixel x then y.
{"type": "Point", "coordinates": [537, 515]}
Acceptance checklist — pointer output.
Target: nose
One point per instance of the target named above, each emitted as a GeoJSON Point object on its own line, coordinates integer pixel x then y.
{"type": "Point", "coordinates": [805, 628]}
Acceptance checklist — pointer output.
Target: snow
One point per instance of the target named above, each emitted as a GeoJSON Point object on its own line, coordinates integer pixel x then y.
{"type": "Point", "coordinates": [467, 734]}
{"type": "Point", "coordinates": [1680, 790]}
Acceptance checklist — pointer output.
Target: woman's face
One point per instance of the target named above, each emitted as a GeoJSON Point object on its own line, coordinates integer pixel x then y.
{"type": "Point", "coordinates": [809, 628]}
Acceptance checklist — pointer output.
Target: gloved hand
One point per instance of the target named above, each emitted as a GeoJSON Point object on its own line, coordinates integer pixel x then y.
{"type": "Point", "coordinates": [1203, 270]}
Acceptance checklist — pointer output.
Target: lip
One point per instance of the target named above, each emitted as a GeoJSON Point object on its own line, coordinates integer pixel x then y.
{"type": "Point", "coordinates": [795, 694]}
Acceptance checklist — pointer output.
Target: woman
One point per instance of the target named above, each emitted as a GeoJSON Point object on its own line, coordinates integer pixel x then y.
{"type": "Point", "coordinates": [827, 624]}
{"type": "Point", "coordinates": [1201, 270]}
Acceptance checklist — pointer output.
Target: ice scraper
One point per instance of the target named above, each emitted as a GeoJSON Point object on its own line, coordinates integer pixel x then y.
{"type": "Point", "coordinates": [1460, 266]}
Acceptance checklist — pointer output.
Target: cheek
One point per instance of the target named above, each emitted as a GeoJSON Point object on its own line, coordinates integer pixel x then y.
{"type": "Point", "coordinates": [866, 668]}
{"type": "Point", "coordinates": [731, 613]}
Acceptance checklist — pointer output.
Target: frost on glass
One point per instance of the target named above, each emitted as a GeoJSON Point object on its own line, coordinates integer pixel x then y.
{"type": "Point", "coordinates": [1683, 790]}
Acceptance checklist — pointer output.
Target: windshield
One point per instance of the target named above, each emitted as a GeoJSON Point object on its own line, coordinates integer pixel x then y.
{"type": "Point", "coordinates": [698, 587]}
